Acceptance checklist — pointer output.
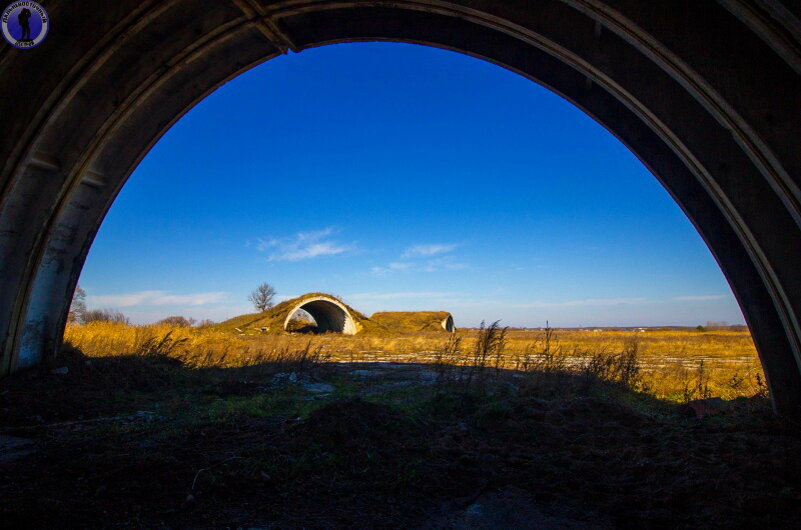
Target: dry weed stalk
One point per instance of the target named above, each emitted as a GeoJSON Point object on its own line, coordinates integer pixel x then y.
{"type": "Point", "coordinates": [666, 364]}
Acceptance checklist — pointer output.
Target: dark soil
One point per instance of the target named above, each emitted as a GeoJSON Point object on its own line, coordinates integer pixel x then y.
{"type": "Point", "coordinates": [189, 448]}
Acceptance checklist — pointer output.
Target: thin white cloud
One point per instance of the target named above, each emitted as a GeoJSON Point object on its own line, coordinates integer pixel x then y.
{"type": "Point", "coordinates": [153, 298]}
{"type": "Point", "coordinates": [395, 266]}
{"type": "Point", "coordinates": [285, 297]}
{"type": "Point", "coordinates": [594, 302]}
{"type": "Point", "coordinates": [303, 245]}
{"type": "Point", "coordinates": [445, 263]}
{"type": "Point", "coordinates": [428, 250]}
{"type": "Point", "coordinates": [701, 298]}
{"type": "Point", "coordinates": [400, 295]}
{"type": "Point", "coordinates": [311, 251]}
{"type": "Point", "coordinates": [589, 302]}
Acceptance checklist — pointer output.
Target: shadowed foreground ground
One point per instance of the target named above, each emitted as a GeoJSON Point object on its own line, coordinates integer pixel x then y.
{"type": "Point", "coordinates": [148, 442]}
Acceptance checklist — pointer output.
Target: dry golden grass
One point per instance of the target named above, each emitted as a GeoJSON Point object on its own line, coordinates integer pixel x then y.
{"type": "Point", "coordinates": [674, 365]}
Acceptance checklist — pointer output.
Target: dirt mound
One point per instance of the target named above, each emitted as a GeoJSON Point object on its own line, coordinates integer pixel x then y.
{"type": "Point", "coordinates": [139, 442]}
{"type": "Point", "coordinates": [354, 423]}
{"type": "Point", "coordinates": [272, 321]}
{"type": "Point", "coordinates": [414, 321]}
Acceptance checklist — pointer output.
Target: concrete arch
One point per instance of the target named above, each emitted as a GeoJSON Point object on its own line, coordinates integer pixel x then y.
{"type": "Point", "coordinates": [329, 313]}
{"type": "Point", "coordinates": [447, 324]}
{"type": "Point", "coordinates": [704, 92]}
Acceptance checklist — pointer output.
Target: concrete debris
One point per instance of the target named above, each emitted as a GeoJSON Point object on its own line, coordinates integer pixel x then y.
{"type": "Point", "coordinates": [318, 388]}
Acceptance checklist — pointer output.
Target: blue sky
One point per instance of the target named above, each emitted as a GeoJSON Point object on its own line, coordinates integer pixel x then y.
{"type": "Point", "coordinates": [401, 178]}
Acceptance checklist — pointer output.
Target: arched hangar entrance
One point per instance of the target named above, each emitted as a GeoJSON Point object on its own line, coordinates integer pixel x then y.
{"type": "Point", "coordinates": [447, 324]}
{"type": "Point", "coordinates": [328, 313]}
{"type": "Point", "coordinates": [704, 92]}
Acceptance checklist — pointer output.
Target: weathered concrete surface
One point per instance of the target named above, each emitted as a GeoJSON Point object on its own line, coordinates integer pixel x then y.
{"type": "Point", "coordinates": [705, 93]}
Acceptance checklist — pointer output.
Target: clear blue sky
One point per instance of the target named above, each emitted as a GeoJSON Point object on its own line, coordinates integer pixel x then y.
{"type": "Point", "coordinates": [401, 178]}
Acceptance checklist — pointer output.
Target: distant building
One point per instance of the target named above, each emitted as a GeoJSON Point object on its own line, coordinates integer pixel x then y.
{"type": "Point", "coordinates": [415, 321]}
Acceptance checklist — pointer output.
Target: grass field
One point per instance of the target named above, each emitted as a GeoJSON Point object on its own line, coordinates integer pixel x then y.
{"type": "Point", "coordinates": [674, 365]}
{"type": "Point", "coordinates": [159, 427]}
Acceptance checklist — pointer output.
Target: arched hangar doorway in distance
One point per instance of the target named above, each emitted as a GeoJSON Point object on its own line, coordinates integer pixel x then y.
{"type": "Point", "coordinates": [329, 314]}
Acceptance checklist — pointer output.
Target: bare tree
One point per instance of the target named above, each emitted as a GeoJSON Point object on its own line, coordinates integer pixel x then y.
{"type": "Point", "coordinates": [78, 306]}
{"type": "Point", "coordinates": [262, 297]}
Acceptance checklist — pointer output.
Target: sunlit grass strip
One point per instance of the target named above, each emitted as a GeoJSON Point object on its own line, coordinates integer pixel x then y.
{"type": "Point", "coordinates": [674, 365]}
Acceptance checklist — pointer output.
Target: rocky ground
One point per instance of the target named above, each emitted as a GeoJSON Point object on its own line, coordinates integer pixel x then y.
{"type": "Point", "coordinates": [148, 442]}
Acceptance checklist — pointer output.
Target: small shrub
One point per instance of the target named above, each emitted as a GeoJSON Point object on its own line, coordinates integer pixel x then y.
{"type": "Point", "coordinates": [621, 368]}
{"type": "Point", "coordinates": [446, 359]}
{"type": "Point", "coordinates": [177, 322]}
{"type": "Point", "coordinates": [545, 355]}
{"type": "Point", "coordinates": [487, 352]}
{"type": "Point", "coordinates": [698, 387]}
{"type": "Point", "coordinates": [761, 387]}
{"type": "Point", "coordinates": [161, 347]}
{"type": "Point", "coordinates": [105, 315]}
{"type": "Point", "coordinates": [736, 381]}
